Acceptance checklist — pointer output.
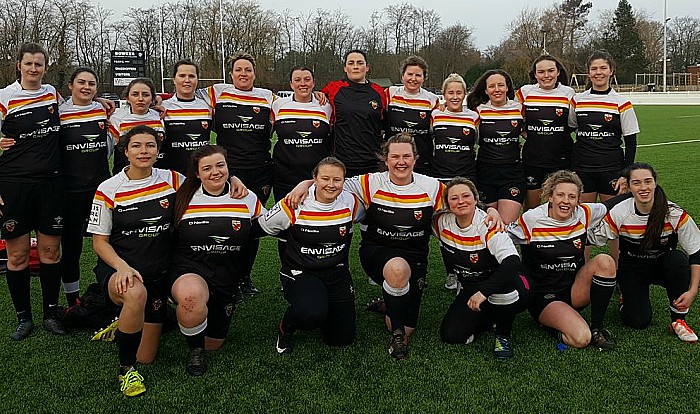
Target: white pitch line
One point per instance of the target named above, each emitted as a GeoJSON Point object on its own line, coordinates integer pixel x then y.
{"type": "Point", "coordinates": [688, 116]}
{"type": "Point", "coordinates": [668, 143]}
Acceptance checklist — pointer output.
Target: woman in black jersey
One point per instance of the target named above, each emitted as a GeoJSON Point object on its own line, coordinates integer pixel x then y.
{"type": "Point", "coordinates": [210, 229]}
{"type": "Point", "coordinates": [31, 187]}
{"type": "Point", "coordinates": [499, 170]}
{"type": "Point", "coordinates": [85, 149]}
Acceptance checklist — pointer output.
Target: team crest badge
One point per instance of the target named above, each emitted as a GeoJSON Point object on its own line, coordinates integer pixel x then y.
{"type": "Point", "coordinates": [474, 257]}
{"type": "Point", "coordinates": [50, 109]}
{"type": "Point", "coordinates": [164, 203]}
{"type": "Point", "coordinates": [514, 191]}
{"type": "Point", "coordinates": [664, 241]}
{"type": "Point", "coordinates": [342, 230]}
{"type": "Point", "coordinates": [613, 183]}
{"type": "Point", "coordinates": [466, 131]}
{"type": "Point", "coordinates": [236, 225]}
{"type": "Point", "coordinates": [374, 104]}
{"type": "Point", "coordinates": [205, 124]}
{"type": "Point", "coordinates": [418, 214]}
{"type": "Point", "coordinates": [514, 122]}
{"type": "Point", "coordinates": [156, 304]}
{"type": "Point", "coordinates": [10, 225]}
{"type": "Point", "coordinates": [423, 115]}
{"type": "Point", "coordinates": [256, 109]}
{"type": "Point", "coordinates": [229, 310]}
{"type": "Point", "coordinates": [559, 111]}
{"type": "Point", "coordinates": [608, 117]}
{"type": "Point", "coordinates": [101, 124]}
{"type": "Point", "coordinates": [421, 283]}
{"type": "Point", "coordinates": [577, 243]}
{"type": "Point", "coordinates": [316, 124]}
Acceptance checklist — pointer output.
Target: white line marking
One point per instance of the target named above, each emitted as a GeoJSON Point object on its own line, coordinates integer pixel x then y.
{"type": "Point", "coordinates": [688, 116]}
{"type": "Point", "coordinates": [668, 143]}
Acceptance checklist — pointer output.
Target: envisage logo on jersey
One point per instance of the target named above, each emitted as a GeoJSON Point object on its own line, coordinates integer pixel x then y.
{"type": "Point", "coordinates": [151, 228]}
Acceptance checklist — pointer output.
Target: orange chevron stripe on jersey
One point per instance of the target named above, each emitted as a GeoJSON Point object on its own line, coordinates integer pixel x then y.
{"type": "Point", "coordinates": [611, 223]}
{"type": "Point", "coordinates": [438, 202]}
{"type": "Point", "coordinates": [288, 211]}
{"type": "Point", "coordinates": [355, 207]}
{"type": "Point", "coordinates": [639, 229]}
{"type": "Point", "coordinates": [83, 115]}
{"type": "Point", "coordinates": [100, 196]}
{"type": "Point", "coordinates": [556, 231]}
{"type": "Point", "coordinates": [625, 106]}
{"type": "Point", "coordinates": [48, 97]}
{"type": "Point", "coordinates": [454, 120]}
{"type": "Point", "coordinates": [301, 113]}
{"type": "Point", "coordinates": [587, 213]}
{"type": "Point", "coordinates": [506, 113]}
{"type": "Point", "coordinates": [243, 98]}
{"type": "Point", "coordinates": [176, 180]}
{"type": "Point", "coordinates": [217, 208]}
{"type": "Point", "coordinates": [461, 240]}
{"type": "Point", "coordinates": [406, 199]}
{"type": "Point", "coordinates": [561, 100]}
{"type": "Point", "coordinates": [187, 112]}
{"type": "Point", "coordinates": [526, 231]}
{"type": "Point", "coordinates": [415, 103]}
{"type": "Point", "coordinates": [127, 126]}
{"type": "Point", "coordinates": [519, 95]}
{"type": "Point", "coordinates": [490, 234]}
{"type": "Point", "coordinates": [364, 183]}
{"type": "Point", "coordinates": [142, 192]}
{"type": "Point", "coordinates": [597, 105]}
{"type": "Point", "coordinates": [258, 208]}
{"type": "Point", "coordinates": [682, 220]}
{"type": "Point", "coordinates": [324, 215]}
{"type": "Point", "coordinates": [3, 110]}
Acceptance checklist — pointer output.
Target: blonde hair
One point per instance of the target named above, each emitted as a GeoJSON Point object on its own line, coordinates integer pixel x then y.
{"type": "Point", "coordinates": [560, 177]}
{"type": "Point", "coordinates": [453, 77]}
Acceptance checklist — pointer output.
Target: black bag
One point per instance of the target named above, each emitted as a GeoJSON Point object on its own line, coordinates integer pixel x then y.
{"type": "Point", "coordinates": [92, 311]}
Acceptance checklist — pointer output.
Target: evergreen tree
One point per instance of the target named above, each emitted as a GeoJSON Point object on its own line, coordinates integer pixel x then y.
{"type": "Point", "coordinates": [623, 41]}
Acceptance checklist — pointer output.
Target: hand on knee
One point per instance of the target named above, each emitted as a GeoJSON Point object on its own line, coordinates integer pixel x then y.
{"type": "Point", "coordinates": [135, 297]}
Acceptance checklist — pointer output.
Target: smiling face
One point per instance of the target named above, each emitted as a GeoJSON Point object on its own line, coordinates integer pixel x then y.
{"type": "Point", "coordinates": [243, 74]}
{"type": "Point", "coordinates": [213, 172]}
{"type": "Point", "coordinates": [302, 84]}
{"type": "Point", "coordinates": [329, 183]}
{"type": "Point", "coordinates": [563, 201]}
{"type": "Point", "coordinates": [139, 98]}
{"type": "Point", "coordinates": [413, 78]}
{"type": "Point", "coordinates": [454, 96]}
{"type": "Point", "coordinates": [599, 72]}
{"type": "Point", "coordinates": [142, 151]}
{"type": "Point", "coordinates": [642, 186]}
{"type": "Point", "coordinates": [400, 160]}
{"type": "Point", "coordinates": [32, 68]}
{"type": "Point", "coordinates": [83, 88]}
{"type": "Point", "coordinates": [497, 89]}
{"type": "Point", "coordinates": [546, 73]}
{"type": "Point", "coordinates": [356, 68]}
{"type": "Point", "coordinates": [185, 81]}
{"type": "Point", "coordinates": [461, 201]}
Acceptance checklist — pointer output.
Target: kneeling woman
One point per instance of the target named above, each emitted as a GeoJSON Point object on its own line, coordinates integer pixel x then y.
{"type": "Point", "coordinates": [130, 223]}
{"type": "Point", "coordinates": [488, 268]}
{"type": "Point", "coordinates": [650, 228]}
{"type": "Point", "coordinates": [315, 271]}
{"type": "Point", "coordinates": [210, 230]}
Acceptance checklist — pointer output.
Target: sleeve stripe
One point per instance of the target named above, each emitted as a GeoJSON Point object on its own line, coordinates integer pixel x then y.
{"type": "Point", "coordinates": [587, 213]}
{"type": "Point", "coordinates": [355, 207]}
{"type": "Point", "coordinates": [681, 221]}
{"type": "Point", "coordinates": [176, 180]}
{"type": "Point", "coordinates": [608, 219]}
{"type": "Point", "coordinates": [526, 232]}
{"type": "Point", "coordinates": [438, 202]}
{"type": "Point", "coordinates": [288, 211]}
{"type": "Point", "coordinates": [258, 208]}
{"type": "Point", "coordinates": [364, 182]}
{"type": "Point", "coordinates": [100, 196]}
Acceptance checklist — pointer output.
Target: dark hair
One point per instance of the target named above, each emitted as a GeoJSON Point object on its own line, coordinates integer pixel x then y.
{"type": "Point", "coordinates": [144, 81]}
{"type": "Point", "coordinates": [400, 138]}
{"type": "Point", "coordinates": [242, 56]}
{"type": "Point", "coordinates": [477, 95]}
{"type": "Point", "coordinates": [185, 62]}
{"type": "Point", "coordinates": [562, 78]}
{"type": "Point", "coordinates": [300, 67]}
{"type": "Point", "coordinates": [138, 129]}
{"type": "Point", "coordinates": [332, 161]}
{"type": "Point", "coordinates": [415, 61]}
{"type": "Point", "coordinates": [360, 51]}
{"type": "Point", "coordinates": [80, 70]}
{"type": "Point", "coordinates": [193, 182]}
{"type": "Point", "coordinates": [459, 181]}
{"type": "Point", "coordinates": [31, 48]}
{"type": "Point", "coordinates": [599, 54]}
{"type": "Point", "coordinates": [659, 210]}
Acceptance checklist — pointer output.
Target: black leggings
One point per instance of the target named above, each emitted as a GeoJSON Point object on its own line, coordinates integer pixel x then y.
{"type": "Point", "coordinates": [327, 303]}
{"type": "Point", "coordinates": [671, 270]}
{"type": "Point", "coordinates": [76, 214]}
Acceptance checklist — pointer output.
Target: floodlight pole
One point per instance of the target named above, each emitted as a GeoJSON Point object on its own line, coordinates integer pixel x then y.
{"type": "Point", "coordinates": [665, 21]}
{"type": "Point", "coordinates": [221, 27]}
{"type": "Point", "coordinates": [162, 81]}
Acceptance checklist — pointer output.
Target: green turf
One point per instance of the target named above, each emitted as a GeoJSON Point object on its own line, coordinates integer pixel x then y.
{"type": "Point", "coordinates": [649, 370]}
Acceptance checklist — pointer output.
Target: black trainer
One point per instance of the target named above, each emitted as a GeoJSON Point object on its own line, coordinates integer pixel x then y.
{"type": "Point", "coordinates": [248, 288]}
{"type": "Point", "coordinates": [24, 329]}
{"type": "Point", "coordinates": [285, 343]}
{"type": "Point", "coordinates": [602, 339]}
{"type": "Point", "coordinates": [197, 364]}
{"type": "Point", "coordinates": [53, 325]}
{"type": "Point", "coordinates": [377, 306]}
{"type": "Point", "coordinates": [398, 346]}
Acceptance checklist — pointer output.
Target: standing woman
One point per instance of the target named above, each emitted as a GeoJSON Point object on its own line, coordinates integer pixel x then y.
{"type": "Point", "coordinates": [409, 109]}
{"type": "Point", "coordinates": [130, 223]}
{"type": "Point", "coordinates": [548, 143]}
{"type": "Point", "coordinates": [140, 97]}
{"type": "Point", "coordinates": [650, 228]}
{"type": "Point", "coordinates": [32, 193]}
{"type": "Point", "coordinates": [315, 271]}
{"type": "Point", "coordinates": [188, 119]}
{"type": "Point", "coordinates": [210, 229]}
{"type": "Point", "coordinates": [499, 170]}
{"type": "Point", "coordinates": [85, 149]}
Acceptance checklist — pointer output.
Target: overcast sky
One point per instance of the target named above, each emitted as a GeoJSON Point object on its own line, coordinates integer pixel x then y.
{"type": "Point", "coordinates": [486, 17]}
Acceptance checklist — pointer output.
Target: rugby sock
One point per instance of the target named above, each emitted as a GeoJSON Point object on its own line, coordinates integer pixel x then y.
{"type": "Point", "coordinates": [287, 325]}
{"type": "Point", "coordinates": [602, 289]}
{"type": "Point", "coordinates": [128, 347]}
{"type": "Point", "coordinates": [397, 303]}
{"type": "Point", "coordinates": [504, 316]}
{"type": "Point", "coordinates": [71, 288]}
{"type": "Point", "coordinates": [194, 336]}
{"type": "Point", "coordinates": [676, 314]}
{"type": "Point", "coordinates": [50, 277]}
{"type": "Point", "coordinates": [18, 283]}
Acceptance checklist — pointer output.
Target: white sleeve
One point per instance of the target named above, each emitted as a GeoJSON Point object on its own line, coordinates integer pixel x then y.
{"type": "Point", "coordinates": [604, 231]}
{"type": "Point", "coordinates": [516, 232]}
{"type": "Point", "coordinates": [100, 221]}
{"type": "Point", "coordinates": [573, 123]}
{"type": "Point", "coordinates": [688, 234]}
{"type": "Point", "coordinates": [628, 119]}
{"type": "Point", "coordinates": [500, 245]}
{"type": "Point", "coordinates": [277, 219]}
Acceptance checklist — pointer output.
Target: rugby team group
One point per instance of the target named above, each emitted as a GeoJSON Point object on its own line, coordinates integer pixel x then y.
{"type": "Point", "coordinates": [179, 220]}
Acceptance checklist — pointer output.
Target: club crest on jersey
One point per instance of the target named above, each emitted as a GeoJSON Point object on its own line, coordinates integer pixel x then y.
{"type": "Point", "coordinates": [164, 203]}
{"type": "Point", "coordinates": [613, 183]}
{"type": "Point", "coordinates": [374, 104]}
{"type": "Point", "coordinates": [316, 124]}
{"type": "Point", "coordinates": [236, 225]}
{"type": "Point", "coordinates": [514, 191]}
{"type": "Point", "coordinates": [205, 124]}
{"type": "Point", "coordinates": [514, 122]}
{"type": "Point", "coordinates": [418, 214]}
{"type": "Point", "coordinates": [578, 243]}
{"type": "Point", "coordinates": [256, 109]}
{"type": "Point", "coordinates": [466, 131]}
{"type": "Point", "coordinates": [608, 117]}
{"type": "Point", "coordinates": [422, 115]}
{"type": "Point", "coordinates": [156, 304]}
{"type": "Point", "coordinates": [474, 257]}
{"type": "Point", "coordinates": [101, 124]}
{"type": "Point", "coordinates": [58, 220]}
{"type": "Point", "coordinates": [10, 225]}
{"type": "Point", "coordinates": [229, 309]}
{"type": "Point", "coordinates": [50, 109]}
{"type": "Point", "coordinates": [342, 230]}
{"type": "Point", "coordinates": [559, 111]}
{"type": "Point", "coordinates": [664, 241]}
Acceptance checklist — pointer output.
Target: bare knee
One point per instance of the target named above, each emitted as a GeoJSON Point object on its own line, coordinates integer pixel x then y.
{"type": "Point", "coordinates": [49, 253]}
{"type": "Point", "coordinates": [397, 272]}
{"type": "Point", "coordinates": [578, 339]}
{"type": "Point", "coordinates": [17, 259]}
{"type": "Point", "coordinates": [135, 296]}
{"type": "Point", "coordinates": [605, 265]}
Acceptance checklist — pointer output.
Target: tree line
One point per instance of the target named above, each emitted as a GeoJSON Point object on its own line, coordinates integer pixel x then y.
{"type": "Point", "coordinates": [78, 33]}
